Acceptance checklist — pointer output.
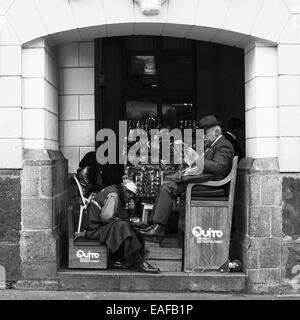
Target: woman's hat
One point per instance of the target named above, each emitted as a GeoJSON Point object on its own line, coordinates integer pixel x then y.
{"type": "Point", "coordinates": [130, 185]}
{"type": "Point", "coordinates": [208, 122]}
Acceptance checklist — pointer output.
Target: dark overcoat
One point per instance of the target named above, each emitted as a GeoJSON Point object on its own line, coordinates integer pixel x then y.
{"type": "Point", "coordinates": [117, 229]}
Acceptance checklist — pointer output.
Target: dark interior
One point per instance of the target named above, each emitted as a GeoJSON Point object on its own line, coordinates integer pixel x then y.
{"type": "Point", "coordinates": [173, 79]}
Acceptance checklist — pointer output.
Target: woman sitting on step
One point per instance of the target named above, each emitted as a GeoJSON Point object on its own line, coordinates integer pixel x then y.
{"type": "Point", "coordinates": [108, 221]}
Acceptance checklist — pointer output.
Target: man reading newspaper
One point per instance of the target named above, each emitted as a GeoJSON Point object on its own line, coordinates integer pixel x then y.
{"type": "Point", "coordinates": [218, 156]}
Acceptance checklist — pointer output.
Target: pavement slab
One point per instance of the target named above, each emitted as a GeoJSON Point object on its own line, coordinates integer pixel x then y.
{"type": "Point", "coordinates": [86, 295]}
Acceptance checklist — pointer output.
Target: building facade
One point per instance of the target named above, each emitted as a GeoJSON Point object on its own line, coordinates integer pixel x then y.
{"type": "Point", "coordinates": [48, 120]}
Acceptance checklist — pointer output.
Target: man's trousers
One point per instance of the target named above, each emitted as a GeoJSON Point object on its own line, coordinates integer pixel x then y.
{"type": "Point", "coordinates": [168, 193]}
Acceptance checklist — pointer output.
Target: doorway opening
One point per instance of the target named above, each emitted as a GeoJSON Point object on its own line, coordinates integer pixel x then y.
{"type": "Point", "coordinates": [171, 80]}
{"type": "Point", "coordinates": [174, 80]}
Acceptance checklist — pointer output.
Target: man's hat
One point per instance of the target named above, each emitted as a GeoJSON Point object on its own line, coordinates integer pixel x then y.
{"type": "Point", "coordinates": [130, 185]}
{"type": "Point", "coordinates": [208, 122]}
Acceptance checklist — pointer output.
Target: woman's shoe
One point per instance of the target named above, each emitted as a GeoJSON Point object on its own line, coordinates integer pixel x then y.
{"type": "Point", "coordinates": [120, 265]}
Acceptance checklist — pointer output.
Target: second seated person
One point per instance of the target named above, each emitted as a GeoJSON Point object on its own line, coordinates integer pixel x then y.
{"type": "Point", "coordinates": [218, 156]}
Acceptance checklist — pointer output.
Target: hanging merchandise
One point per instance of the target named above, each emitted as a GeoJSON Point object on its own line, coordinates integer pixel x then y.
{"type": "Point", "coordinates": [183, 159]}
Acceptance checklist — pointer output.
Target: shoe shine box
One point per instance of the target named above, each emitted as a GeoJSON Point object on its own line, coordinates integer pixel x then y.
{"type": "Point", "coordinates": [85, 255]}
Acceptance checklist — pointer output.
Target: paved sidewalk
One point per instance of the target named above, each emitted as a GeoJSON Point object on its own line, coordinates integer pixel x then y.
{"type": "Point", "coordinates": [88, 295]}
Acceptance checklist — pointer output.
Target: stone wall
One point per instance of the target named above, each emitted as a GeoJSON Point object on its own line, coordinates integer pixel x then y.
{"type": "Point", "coordinates": [258, 210]}
{"type": "Point", "coordinates": [291, 228]}
{"type": "Point", "coordinates": [10, 222]}
{"type": "Point", "coordinates": [44, 183]}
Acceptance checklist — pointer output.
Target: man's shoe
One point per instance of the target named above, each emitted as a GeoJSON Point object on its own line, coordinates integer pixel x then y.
{"type": "Point", "coordinates": [156, 233]}
{"type": "Point", "coordinates": [146, 228]}
{"type": "Point", "coordinates": [144, 267]}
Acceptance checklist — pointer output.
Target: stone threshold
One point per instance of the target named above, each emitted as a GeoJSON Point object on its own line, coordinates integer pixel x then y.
{"type": "Point", "coordinates": [128, 281]}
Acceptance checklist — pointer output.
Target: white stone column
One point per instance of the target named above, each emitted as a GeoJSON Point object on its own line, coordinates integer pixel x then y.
{"type": "Point", "coordinates": [289, 139]}
{"type": "Point", "coordinates": [44, 180]}
{"type": "Point", "coordinates": [10, 98]}
{"type": "Point", "coordinates": [261, 77]}
{"type": "Point", "coordinates": [11, 148]}
{"type": "Point", "coordinates": [40, 96]}
{"type": "Point", "coordinates": [289, 107]}
{"type": "Point", "coordinates": [258, 198]}
{"type": "Point", "coordinates": [76, 100]}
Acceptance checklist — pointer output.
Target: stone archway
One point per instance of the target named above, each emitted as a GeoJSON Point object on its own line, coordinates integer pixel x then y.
{"type": "Point", "coordinates": [46, 263]}
{"type": "Point", "coordinates": [54, 22]}
{"type": "Point", "coordinates": [226, 22]}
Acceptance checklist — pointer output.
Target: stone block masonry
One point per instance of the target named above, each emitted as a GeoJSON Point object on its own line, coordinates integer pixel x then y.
{"type": "Point", "coordinates": [291, 229]}
{"type": "Point", "coordinates": [44, 183]}
{"type": "Point", "coordinates": [10, 222]}
{"type": "Point", "coordinates": [258, 240]}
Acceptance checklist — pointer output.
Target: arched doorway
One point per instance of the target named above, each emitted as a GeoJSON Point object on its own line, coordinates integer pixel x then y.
{"type": "Point", "coordinates": [124, 20]}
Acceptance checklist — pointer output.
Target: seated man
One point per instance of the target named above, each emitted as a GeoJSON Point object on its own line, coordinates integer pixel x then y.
{"type": "Point", "coordinates": [108, 221]}
{"type": "Point", "coordinates": [218, 157]}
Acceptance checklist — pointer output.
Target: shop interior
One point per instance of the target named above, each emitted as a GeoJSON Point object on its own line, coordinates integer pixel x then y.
{"type": "Point", "coordinates": [174, 81]}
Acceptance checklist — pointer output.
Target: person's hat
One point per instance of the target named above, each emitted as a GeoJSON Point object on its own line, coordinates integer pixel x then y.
{"type": "Point", "coordinates": [208, 122]}
{"type": "Point", "coordinates": [130, 185]}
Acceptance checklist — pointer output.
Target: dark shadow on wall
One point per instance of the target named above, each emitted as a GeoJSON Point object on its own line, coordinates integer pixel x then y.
{"type": "Point", "coordinates": [10, 223]}
{"type": "Point", "coordinates": [291, 223]}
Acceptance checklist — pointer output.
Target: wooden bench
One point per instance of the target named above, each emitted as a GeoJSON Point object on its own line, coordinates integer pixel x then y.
{"type": "Point", "coordinates": [206, 222]}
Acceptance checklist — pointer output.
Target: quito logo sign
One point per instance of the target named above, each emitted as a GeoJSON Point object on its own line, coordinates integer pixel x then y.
{"type": "Point", "coordinates": [87, 256]}
{"type": "Point", "coordinates": [207, 236]}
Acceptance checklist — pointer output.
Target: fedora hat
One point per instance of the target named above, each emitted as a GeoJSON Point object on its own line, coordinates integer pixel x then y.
{"type": "Point", "coordinates": [208, 122]}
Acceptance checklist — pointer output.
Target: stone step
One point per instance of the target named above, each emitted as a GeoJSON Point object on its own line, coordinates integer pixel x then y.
{"type": "Point", "coordinates": [167, 259]}
{"type": "Point", "coordinates": [125, 280]}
